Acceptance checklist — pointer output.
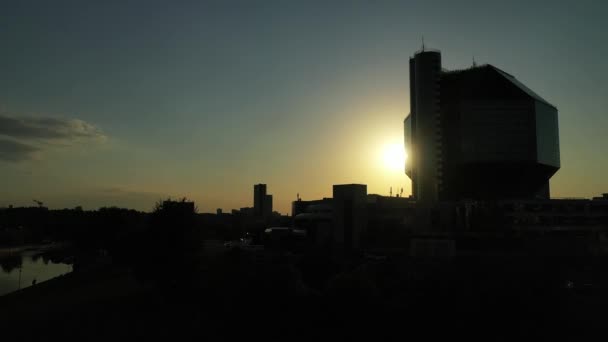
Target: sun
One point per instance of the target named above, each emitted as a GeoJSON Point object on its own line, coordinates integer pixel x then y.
{"type": "Point", "coordinates": [394, 156]}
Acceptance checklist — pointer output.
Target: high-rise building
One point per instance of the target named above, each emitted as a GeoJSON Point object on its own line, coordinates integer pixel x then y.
{"type": "Point", "coordinates": [477, 133]}
{"type": "Point", "coordinates": [259, 197]}
{"type": "Point", "coordinates": [262, 202]}
{"type": "Point", "coordinates": [268, 205]}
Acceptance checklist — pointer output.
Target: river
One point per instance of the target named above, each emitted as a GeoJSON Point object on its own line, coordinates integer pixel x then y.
{"type": "Point", "coordinates": [21, 270]}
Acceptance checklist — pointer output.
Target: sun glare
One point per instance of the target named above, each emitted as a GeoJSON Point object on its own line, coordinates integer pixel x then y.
{"type": "Point", "coordinates": [394, 157]}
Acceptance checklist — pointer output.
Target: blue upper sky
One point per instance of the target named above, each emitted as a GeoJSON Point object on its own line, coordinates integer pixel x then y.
{"type": "Point", "coordinates": [124, 102]}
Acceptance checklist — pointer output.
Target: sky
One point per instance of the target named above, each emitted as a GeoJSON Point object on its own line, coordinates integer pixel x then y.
{"type": "Point", "coordinates": [122, 103]}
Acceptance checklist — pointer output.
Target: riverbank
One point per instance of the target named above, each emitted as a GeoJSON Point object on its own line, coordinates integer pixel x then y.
{"type": "Point", "coordinates": [64, 300]}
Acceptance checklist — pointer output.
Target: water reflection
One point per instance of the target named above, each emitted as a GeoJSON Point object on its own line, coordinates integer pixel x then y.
{"type": "Point", "coordinates": [10, 263]}
{"type": "Point", "coordinates": [25, 269]}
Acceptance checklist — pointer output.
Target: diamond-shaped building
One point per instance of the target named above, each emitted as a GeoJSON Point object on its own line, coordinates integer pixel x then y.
{"type": "Point", "coordinates": [477, 133]}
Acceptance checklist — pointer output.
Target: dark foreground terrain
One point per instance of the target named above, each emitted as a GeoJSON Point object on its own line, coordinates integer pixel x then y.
{"type": "Point", "coordinates": [282, 297]}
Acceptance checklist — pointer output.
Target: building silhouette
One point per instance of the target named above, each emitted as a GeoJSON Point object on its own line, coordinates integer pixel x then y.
{"type": "Point", "coordinates": [352, 219]}
{"type": "Point", "coordinates": [477, 133]}
{"type": "Point", "coordinates": [262, 202]}
{"type": "Point", "coordinates": [349, 214]}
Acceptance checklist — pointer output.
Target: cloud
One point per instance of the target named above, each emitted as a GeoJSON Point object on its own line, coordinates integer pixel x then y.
{"type": "Point", "coordinates": [22, 137]}
{"type": "Point", "coordinates": [47, 128]}
{"type": "Point", "coordinates": [121, 191]}
{"type": "Point", "coordinates": [15, 151]}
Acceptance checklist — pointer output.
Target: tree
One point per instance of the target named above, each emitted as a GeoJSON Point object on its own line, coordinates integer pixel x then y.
{"type": "Point", "coordinates": [171, 243]}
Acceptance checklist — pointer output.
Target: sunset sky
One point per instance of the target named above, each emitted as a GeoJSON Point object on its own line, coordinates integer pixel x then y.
{"type": "Point", "coordinates": [125, 102]}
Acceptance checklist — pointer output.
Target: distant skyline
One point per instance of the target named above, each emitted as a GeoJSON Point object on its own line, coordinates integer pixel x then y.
{"type": "Point", "coordinates": [124, 103]}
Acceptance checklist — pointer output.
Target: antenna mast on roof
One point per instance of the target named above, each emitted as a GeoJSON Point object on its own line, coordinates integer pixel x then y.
{"type": "Point", "coordinates": [474, 63]}
{"type": "Point", "coordinates": [422, 43]}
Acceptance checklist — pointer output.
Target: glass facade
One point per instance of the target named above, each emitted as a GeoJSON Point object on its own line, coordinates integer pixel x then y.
{"type": "Point", "coordinates": [407, 134]}
{"type": "Point", "coordinates": [547, 135]}
{"type": "Point", "coordinates": [495, 132]}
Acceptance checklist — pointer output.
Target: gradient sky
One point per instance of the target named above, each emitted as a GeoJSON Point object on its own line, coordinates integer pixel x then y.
{"type": "Point", "coordinates": [124, 102]}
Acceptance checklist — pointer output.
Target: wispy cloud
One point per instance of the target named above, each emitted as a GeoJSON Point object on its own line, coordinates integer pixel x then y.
{"type": "Point", "coordinates": [121, 191]}
{"type": "Point", "coordinates": [15, 151]}
{"type": "Point", "coordinates": [47, 128]}
{"type": "Point", "coordinates": [21, 138]}
{"type": "Point", "coordinates": [127, 196]}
